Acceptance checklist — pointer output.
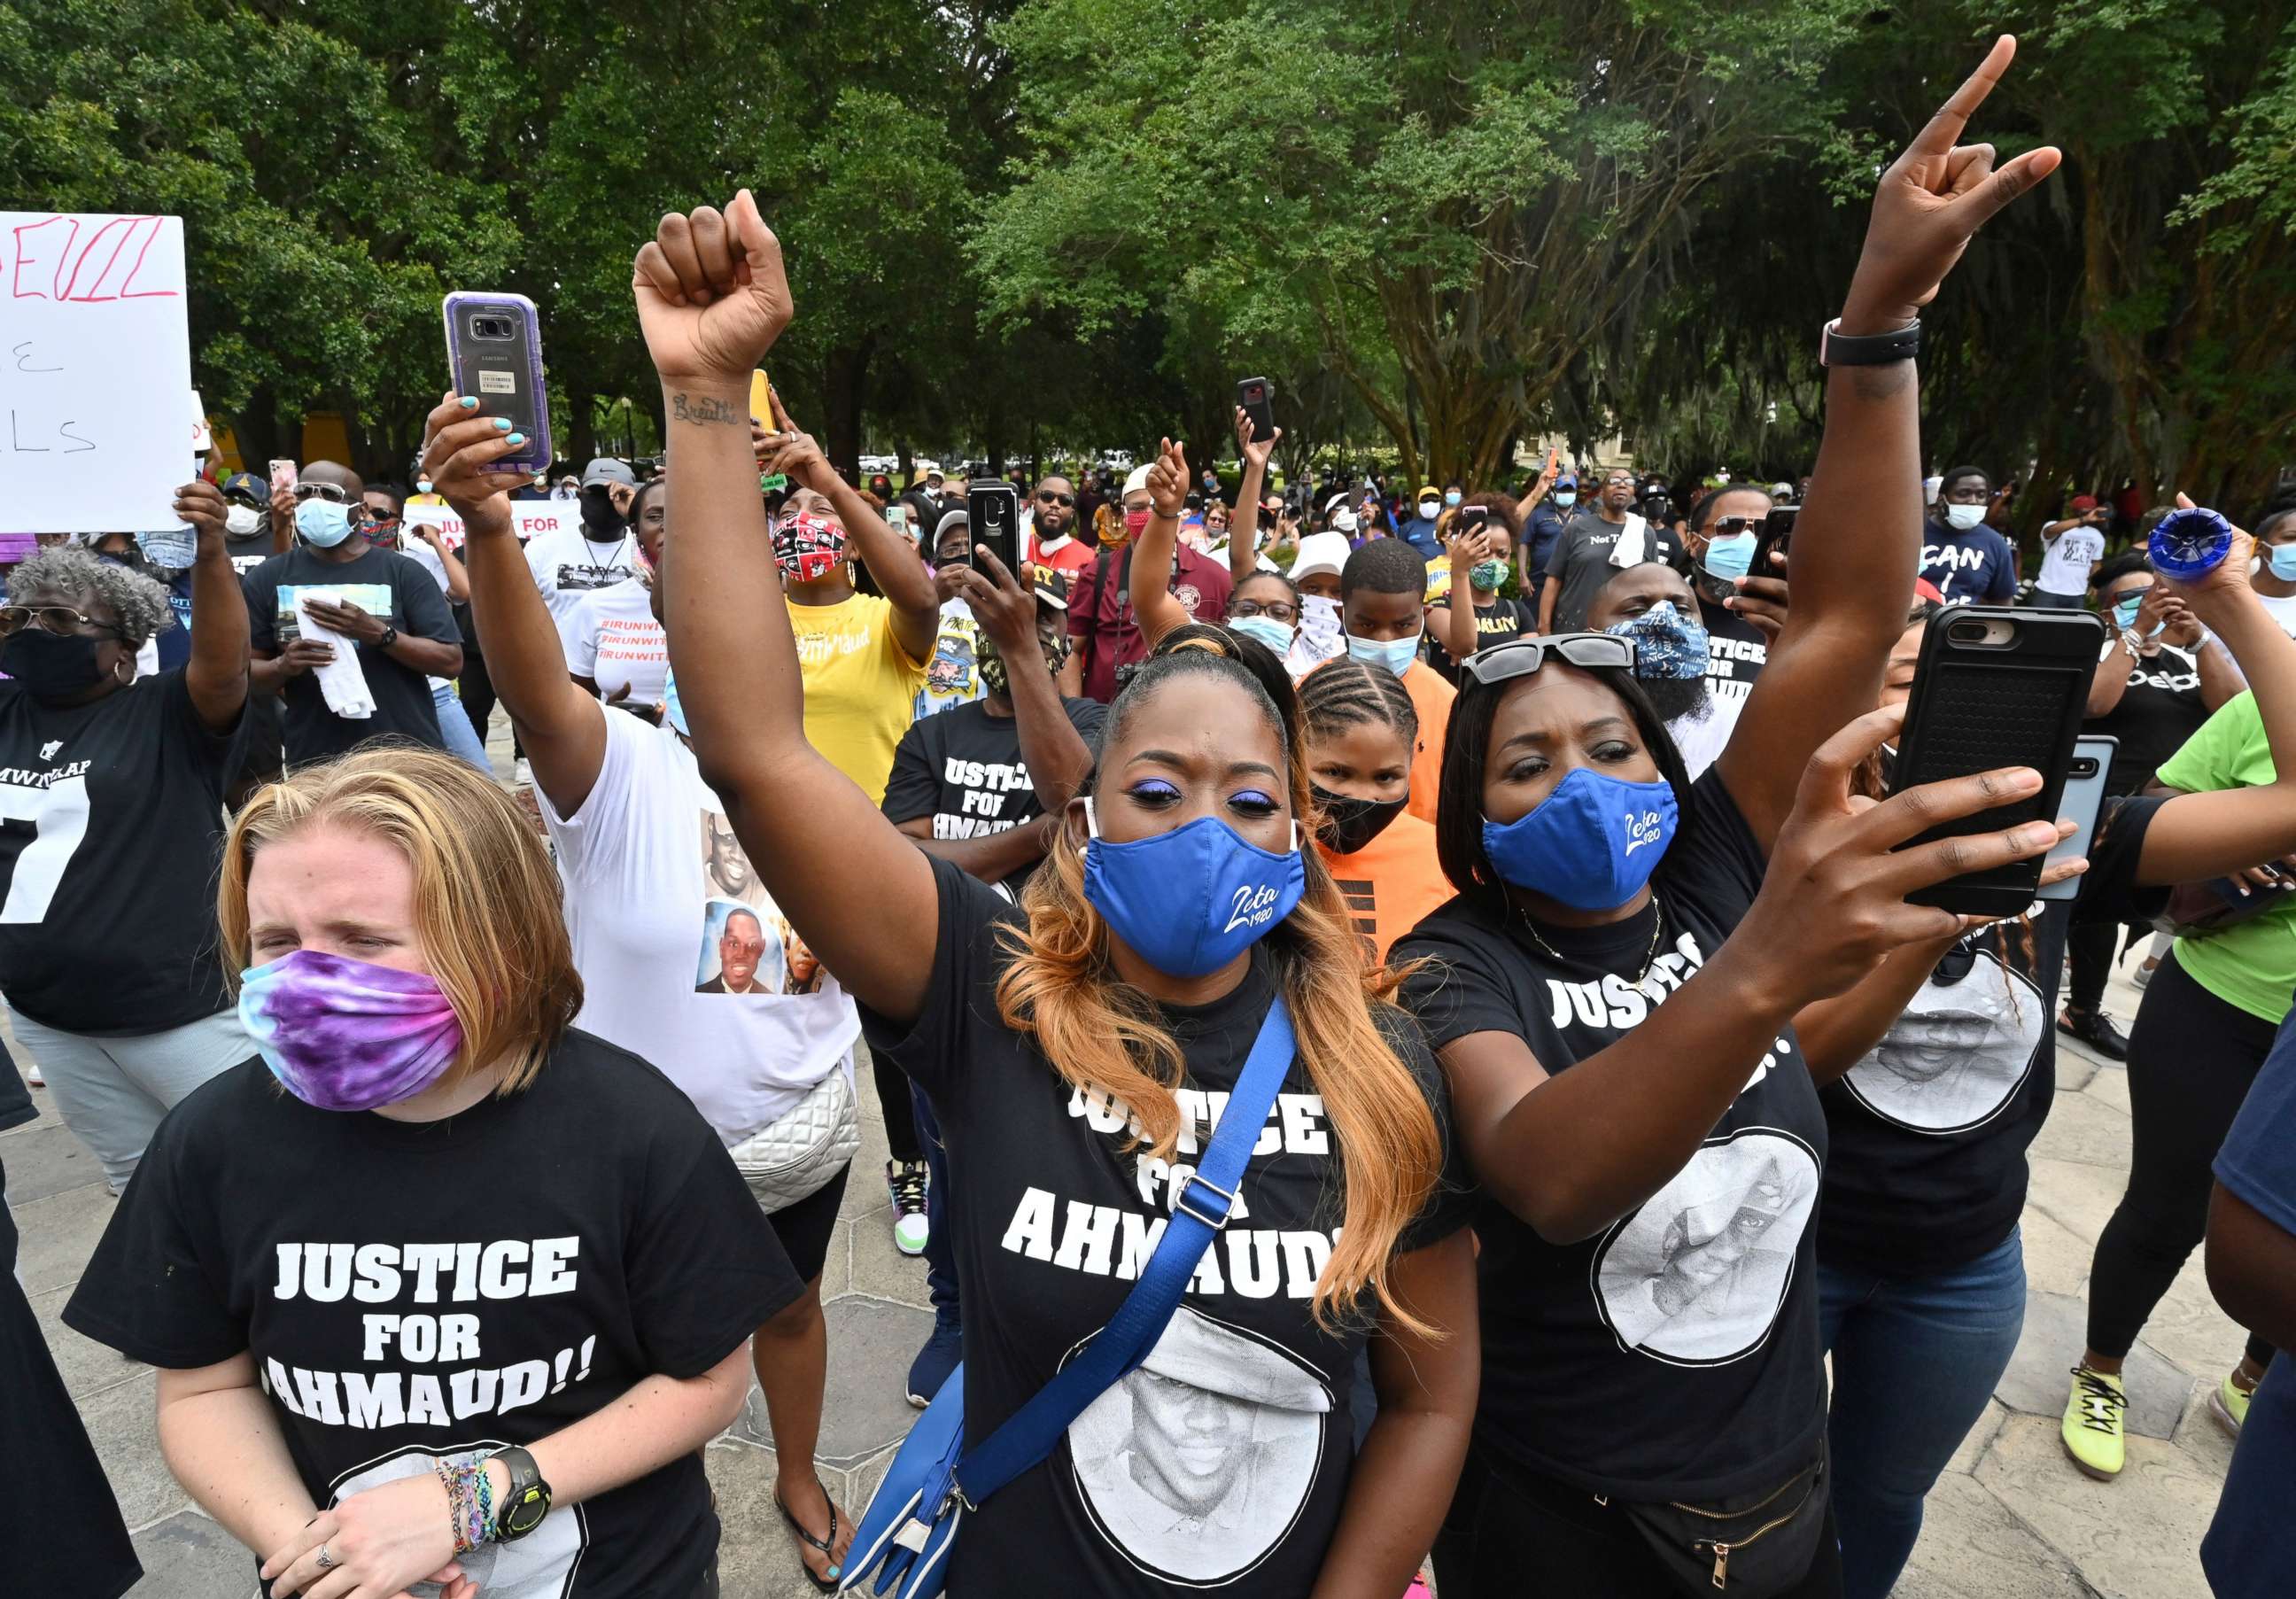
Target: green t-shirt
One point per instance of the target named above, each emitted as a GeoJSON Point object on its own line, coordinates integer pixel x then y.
{"type": "Point", "coordinates": [2253, 964]}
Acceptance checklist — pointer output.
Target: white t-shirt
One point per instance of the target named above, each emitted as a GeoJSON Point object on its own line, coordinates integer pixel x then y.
{"type": "Point", "coordinates": [567, 566]}
{"type": "Point", "coordinates": [2283, 610]}
{"type": "Point", "coordinates": [420, 554]}
{"type": "Point", "coordinates": [660, 900]}
{"type": "Point", "coordinates": [2067, 559]}
{"type": "Point", "coordinates": [618, 642]}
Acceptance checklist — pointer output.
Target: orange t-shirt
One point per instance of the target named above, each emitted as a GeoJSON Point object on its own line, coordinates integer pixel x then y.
{"type": "Point", "coordinates": [1432, 697]}
{"type": "Point", "coordinates": [1390, 882]}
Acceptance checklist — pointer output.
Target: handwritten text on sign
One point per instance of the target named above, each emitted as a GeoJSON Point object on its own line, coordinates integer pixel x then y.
{"type": "Point", "coordinates": [95, 364]}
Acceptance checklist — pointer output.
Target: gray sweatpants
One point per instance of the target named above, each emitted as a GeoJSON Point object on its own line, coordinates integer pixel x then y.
{"type": "Point", "coordinates": [112, 1092]}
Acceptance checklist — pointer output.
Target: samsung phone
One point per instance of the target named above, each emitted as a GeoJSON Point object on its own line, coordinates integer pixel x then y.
{"type": "Point", "coordinates": [1996, 687]}
{"type": "Point", "coordinates": [285, 475]}
{"type": "Point", "coordinates": [494, 350]}
{"type": "Point", "coordinates": [993, 507]}
{"type": "Point", "coordinates": [1775, 538]}
{"type": "Point", "coordinates": [1251, 394]}
{"type": "Point", "coordinates": [2084, 801]}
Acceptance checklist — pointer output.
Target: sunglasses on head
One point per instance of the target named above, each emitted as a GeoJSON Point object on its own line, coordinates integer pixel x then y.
{"type": "Point", "coordinates": [1520, 658]}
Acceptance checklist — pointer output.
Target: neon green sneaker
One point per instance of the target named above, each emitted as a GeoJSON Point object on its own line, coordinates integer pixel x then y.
{"type": "Point", "coordinates": [2092, 1432]}
{"type": "Point", "coordinates": [2228, 1404]}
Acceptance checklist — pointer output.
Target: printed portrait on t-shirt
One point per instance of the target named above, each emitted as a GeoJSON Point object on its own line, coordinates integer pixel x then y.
{"type": "Point", "coordinates": [952, 676]}
{"type": "Point", "coordinates": [1695, 1277]}
{"type": "Point", "coordinates": [1958, 1052]}
{"type": "Point", "coordinates": [725, 868]}
{"type": "Point", "coordinates": [741, 951]}
{"type": "Point", "coordinates": [1197, 1464]}
{"type": "Point", "coordinates": [539, 1566]}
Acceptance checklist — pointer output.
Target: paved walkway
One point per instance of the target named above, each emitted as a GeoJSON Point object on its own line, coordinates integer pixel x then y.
{"type": "Point", "coordinates": [2011, 1520]}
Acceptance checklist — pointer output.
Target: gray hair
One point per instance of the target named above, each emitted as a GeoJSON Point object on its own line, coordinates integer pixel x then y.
{"type": "Point", "coordinates": [139, 602]}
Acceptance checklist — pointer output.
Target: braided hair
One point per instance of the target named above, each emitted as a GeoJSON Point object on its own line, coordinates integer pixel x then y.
{"type": "Point", "coordinates": [1346, 692]}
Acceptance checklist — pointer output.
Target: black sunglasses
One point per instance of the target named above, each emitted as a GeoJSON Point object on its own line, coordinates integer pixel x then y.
{"type": "Point", "coordinates": [1730, 527]}
{"type": "Point", "coordinates": [1048, 497]}
{"type": "Point", "coordinates": [1521, 657]}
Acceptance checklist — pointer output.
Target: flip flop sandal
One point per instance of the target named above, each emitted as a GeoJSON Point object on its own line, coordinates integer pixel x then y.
{"type": "Point", "coordinates": [828, 1545]}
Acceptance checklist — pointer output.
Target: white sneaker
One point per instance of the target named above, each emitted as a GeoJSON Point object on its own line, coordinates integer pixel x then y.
{"type": "Point", "coordinates": [32, 1076]}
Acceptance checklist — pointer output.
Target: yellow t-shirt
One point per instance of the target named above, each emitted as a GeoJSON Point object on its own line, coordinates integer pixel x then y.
{"type": "Point", "coordinates": [859, 685]}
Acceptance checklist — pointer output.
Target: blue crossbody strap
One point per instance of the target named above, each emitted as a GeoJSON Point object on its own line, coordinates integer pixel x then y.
{"type": "Point", "coordinates": [1200, 1211]}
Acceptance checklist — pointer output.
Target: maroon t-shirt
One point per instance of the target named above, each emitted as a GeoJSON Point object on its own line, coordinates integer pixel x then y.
{"type": "Point", "coordinates": [1102, 621]}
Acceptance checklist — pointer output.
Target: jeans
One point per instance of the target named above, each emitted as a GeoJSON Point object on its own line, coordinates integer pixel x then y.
{"type": "Point", "coordinates": [112, 1092]}
{"type": "Point", "coordinates": [454, 727]}
{"type": "Point", "coordinates": [1914, 1363]}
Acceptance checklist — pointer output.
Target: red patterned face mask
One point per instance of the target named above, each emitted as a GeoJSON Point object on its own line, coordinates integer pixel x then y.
{"type": "Point", "coordinates": [808, 546]}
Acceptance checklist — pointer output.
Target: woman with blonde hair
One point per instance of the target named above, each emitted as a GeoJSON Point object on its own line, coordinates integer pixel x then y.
{"type": "Point", "coordinates": [1076, 1049]}
{"type": "Point", "coordinates": [437, 1268]}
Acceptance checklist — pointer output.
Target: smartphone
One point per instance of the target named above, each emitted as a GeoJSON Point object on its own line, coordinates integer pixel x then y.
{"type": "Point", "coordinates": [1251, 394]}
{"type": "Point", "coordinates": [1996, 687]}
{"type": "Point", "coordinates": [285, 475]}
{"type": "Point", "coordinates": [1777, 536]}
{"type": "Point", "coordinates": [2083, 799]}
{"type": "Point", "coordinates": [993, 508]}
{"type": "Point", "coordinates": [762, 400]}
{"type": "Point", "coordinates": [493, 350]}
{"type": "Point", "coordinates": [897, 518]}
{"type": "Point", "coordinates": [1475, 518]}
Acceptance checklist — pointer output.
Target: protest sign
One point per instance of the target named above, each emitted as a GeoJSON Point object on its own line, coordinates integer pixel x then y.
{"type": "Point", "coordinates": [529, 519]}
{"type": "Point", "coordinates": [96, 364]}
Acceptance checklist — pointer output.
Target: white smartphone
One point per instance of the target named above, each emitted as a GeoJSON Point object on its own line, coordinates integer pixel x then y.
{"type": "Point", "coordinates": [2083, 802]}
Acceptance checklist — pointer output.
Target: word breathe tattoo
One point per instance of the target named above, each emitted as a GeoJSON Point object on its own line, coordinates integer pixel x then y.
{"type": "Point", "coordinates": [704, 411]}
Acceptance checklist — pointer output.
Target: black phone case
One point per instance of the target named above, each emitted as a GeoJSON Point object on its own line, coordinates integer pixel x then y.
{"type": "Point", "coordinates": [1262, 411]}
{"type": "Point", "coordinates": [1975, 708]}
{"type": "Point", "coordinates": [994, 511]}
{"type": "Point", "coordinates": [1777, 536]}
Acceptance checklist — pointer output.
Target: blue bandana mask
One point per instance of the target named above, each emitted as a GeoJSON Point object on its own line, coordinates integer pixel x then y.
{"type": "Point", "coordinates": [1396, 655]}
{"type": "Point", "coordinates": [1191, 900]}
{"type": "Point", "coordinates": [1732, 557]}
{"type": "Point", "coordinates": [324, 523]}
{"type": "Point", "coordinates": [1265, 630]}
{"type": "Point", "coordinates": [2282, 559]}
{"type": "Point", "coordinates": [1667, 644]}
{"type": "Point", "coordinates": [1591, 844]}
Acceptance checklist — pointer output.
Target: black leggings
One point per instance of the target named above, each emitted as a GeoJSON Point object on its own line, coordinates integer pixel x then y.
{"type": "Point", "coordinates": [1513, 1538]}
{"type": "Point", "coordinates": [2191, 1059]}
{"type": "Point", "coordinates": [2090, 945]}
{"type": "Point", "coordinates": [900, 1116]}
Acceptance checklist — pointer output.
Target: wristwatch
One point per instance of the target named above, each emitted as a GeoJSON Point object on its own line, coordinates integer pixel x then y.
{"type": "Point", "coordinates": [1838, 349]}
{"type": "Point", "coordinates": [389, 637]}
{"type": "Point", "coordinates": [521, 1509]}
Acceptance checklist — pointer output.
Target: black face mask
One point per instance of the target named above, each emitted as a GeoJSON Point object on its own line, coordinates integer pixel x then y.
{"type": "Point", "coordinates": [51, 666]}
{"type": "Point", "coordinates": [1349, 823]}
{"type": "Point", "coordinates": [601, 522]}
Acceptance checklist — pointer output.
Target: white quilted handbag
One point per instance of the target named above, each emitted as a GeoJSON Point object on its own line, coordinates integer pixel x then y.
{"type": "Point", "coordinates": [791, 1160]}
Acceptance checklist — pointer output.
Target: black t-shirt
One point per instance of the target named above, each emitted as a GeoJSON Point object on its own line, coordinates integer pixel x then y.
{"type": "Point", "coordinates": [383, 584]}
{"type": "Point", "coordinates": [249, 552]}
{"type": "Point", "coordinates": [1225, 1457]}
{"type": "Point", "coordinates": [410, 1290]}
{"type": "Point", "coordinates": [962, 766]}
{"type": "Point", "coordinates": [1500, 622]}
{"type": "Point", "coordinates": [1581, 563]}
{"type": "Point", "coordinates": [110, 825]}
{"type": "Point", "coordinates": [1929, 1130]}
{"type": "Point", "coordinates": [2159, 710]}
{"type": "Point", "coordinates": [1735, 655]}
{"type": "Point", "coordinates": [1676, 1354]}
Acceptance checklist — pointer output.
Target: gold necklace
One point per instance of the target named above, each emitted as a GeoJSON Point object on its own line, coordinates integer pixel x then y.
{"type": "Point", "coordinates": [1650, 955]}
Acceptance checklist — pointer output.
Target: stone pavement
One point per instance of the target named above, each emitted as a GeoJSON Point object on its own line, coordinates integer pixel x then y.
{"type": "Point", "coordinates": [2011, 1518]}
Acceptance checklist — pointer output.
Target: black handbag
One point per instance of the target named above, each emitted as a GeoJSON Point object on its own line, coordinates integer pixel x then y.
{"type": "Point", "coordinates": [1751, 1544]}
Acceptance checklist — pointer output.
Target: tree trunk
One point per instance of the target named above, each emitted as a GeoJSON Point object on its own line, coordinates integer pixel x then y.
{"type": "Point", "coordinates": [845, 379]}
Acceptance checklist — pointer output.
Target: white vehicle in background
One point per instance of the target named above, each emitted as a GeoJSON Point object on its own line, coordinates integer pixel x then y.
{"type": "Point", "coordinates": [874, 464]}
{"type": "Point", "coordinates": [1117, 460]}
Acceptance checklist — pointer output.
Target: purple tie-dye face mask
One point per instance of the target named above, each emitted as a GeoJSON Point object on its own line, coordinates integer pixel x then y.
{"type": "Point", "coordinates": [345, 1035]}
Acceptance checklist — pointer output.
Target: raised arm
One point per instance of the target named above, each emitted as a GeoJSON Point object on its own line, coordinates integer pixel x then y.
{"type": "Point", "coordinates": [712, 298]}
{"type": "Point", "coordinates": [1571, 1153]}
{"type": "Point", "coordinates": [901, 577]}
{"type": "Point", "coordinates": [562, 729]}
{"type": "Point", "coordinates": [2197, 836]}
{"type": "Point", "coordinates": [1452, 623]}
{"type": "Point", "coordinates": [216, 674]}
{"type": "Point", "coordinates": [1243, 527]}
{"type": "Point", "coordinates": [1858, 539]}
{"type": "Point", "coordinates": [1159, 545]}
{"type": "Point", "coordinates": [458, 580]}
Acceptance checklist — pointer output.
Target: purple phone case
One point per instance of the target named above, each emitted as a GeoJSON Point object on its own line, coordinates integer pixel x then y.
{"type": "Point", "coordinates": [475, 374]}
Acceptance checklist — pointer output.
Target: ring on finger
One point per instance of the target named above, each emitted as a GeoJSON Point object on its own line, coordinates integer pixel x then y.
{"type": "Point", "coordinates": [326, 1561]}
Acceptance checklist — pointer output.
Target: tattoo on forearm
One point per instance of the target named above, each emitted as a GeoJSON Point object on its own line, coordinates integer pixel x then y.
{"type": "Point", "coordinates": [703, 410]}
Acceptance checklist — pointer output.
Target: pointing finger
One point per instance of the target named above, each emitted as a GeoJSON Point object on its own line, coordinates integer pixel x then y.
{"type": "Point", "coordinates": [1937, 140]}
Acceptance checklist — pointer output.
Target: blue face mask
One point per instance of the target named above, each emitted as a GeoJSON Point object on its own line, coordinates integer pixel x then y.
{"type": "Point", "coordinates": [1667, 644]}
{"type": "Point", "coordinates": [322, 522]}
{"type": "Point", "coordinates": [2124, 610]}
{"type": "Point", "coordinates": [1265, 630]}
{"type": "Point", "coordinates": [1591, 844]}
{"type": "Point", "coordinates": [1191, 900]}
{"type": "Point", "coordinates": [1451, 498]}
{"type": "Point", "coordinates": [672, 711]}
{"type": "Point", "coordinates": [2283, 559]}
{"type": "Point", "coordinates": [1566, 497]}
{"type": "Point", "coordinates": [1732, 557]}
{"type": "Point", "coordinates": [1396, 655]}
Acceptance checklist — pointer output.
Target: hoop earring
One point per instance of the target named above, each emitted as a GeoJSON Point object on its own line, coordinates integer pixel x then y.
{"type": "Point", "coordinates": [130, 666]}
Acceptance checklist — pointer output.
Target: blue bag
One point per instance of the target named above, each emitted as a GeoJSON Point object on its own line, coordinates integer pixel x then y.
{"type": "Point", "coordinates": [912, 1521]}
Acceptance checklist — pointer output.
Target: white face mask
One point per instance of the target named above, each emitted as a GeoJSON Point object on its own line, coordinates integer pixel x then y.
{"type": "Point", "coordinates": [1963, 517]}
{"type": "Point", "coordinates": [239, 521]}
{"type": "Point", "coordinates": [1430, 508]}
